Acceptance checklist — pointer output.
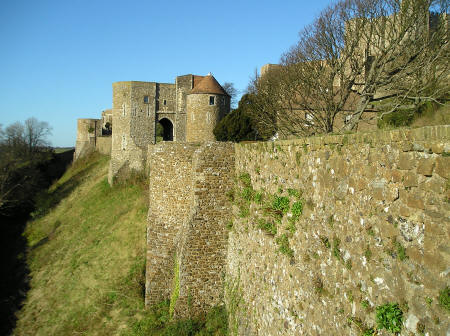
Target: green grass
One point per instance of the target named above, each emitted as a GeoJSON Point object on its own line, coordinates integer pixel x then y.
{"type": "Point", "coordinates": [87, 260]}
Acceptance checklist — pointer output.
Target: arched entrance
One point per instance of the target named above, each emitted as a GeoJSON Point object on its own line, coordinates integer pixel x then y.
{"type": "Point", "coordinates": [164, 130]}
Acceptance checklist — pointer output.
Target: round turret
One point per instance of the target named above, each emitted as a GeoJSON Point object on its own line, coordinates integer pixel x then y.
{"type": "Point", "coordinates": [206, 104]}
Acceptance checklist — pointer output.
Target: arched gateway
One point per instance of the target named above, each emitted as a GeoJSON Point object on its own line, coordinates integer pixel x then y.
{"type": "Point", "coordinates": [167, 129]}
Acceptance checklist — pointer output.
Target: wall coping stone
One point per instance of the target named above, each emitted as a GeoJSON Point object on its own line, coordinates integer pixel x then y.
{"type": "Point", "coordinates": [427, 133]}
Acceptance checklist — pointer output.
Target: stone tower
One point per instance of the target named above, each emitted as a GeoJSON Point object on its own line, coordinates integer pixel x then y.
{"type": "Point", "coordinates": [206, 104]}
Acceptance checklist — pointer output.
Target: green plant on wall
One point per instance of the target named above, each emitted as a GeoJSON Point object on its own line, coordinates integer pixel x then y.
{"type": "Point", "coordinates": [444, 298]}
{"type": "Point", "coordinates": [91, 129]}
{"type": "Point", "coordinates": [336, 249]}
{"type": "Point", "coordinates": [295, 193]}
{"type": "Point", "coordinates": [234, 303]}
{"type": "Point", "coordinates": [245, 179]}
{"type": "Point", "coordinates": [267, 226]}
{"type": "Point", "coordinates": [280, 205]}
{"type": "Point", "coordinates": [283, 245]}
{"type": "Point", "coordinates": [258, 197]}
{"type": "Point", "coordinates": [401, 251]}
{"type": "Point", "coordinates": [175, 285]}
{"type": "Point", "coordinates": [390, 317]}
{"type": "Point", "coordinates": [297, 209]}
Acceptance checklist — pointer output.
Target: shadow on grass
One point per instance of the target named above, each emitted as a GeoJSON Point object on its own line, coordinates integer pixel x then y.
{"type": "Point", "coordinates": [14, 284]}
{"type": "Point", "coordinates": [50, 198]}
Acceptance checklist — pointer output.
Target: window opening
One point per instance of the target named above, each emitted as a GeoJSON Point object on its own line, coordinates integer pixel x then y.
{"type": "Point", "coordinates": [211, 100]}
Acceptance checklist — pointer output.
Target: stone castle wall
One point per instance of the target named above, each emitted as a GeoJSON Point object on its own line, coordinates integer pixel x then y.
{"type": "Point", "coordinates": [133, 125]}
{"type": "Point", "coordinates": [103, 145]}
{"type": "Point", "coordinates": [187, 235]}
{"type": "Point", "coordinates": [87, 132]}
{"type": "Point", "coordinates": [326, 229]}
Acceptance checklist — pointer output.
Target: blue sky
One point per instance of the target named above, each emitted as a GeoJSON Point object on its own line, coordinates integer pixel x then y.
{"type": "Point", "coordinates": [58, 59]}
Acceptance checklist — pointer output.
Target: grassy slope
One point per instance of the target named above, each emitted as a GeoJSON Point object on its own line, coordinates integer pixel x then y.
{"type": "Point", "coordinates": [86, 256]}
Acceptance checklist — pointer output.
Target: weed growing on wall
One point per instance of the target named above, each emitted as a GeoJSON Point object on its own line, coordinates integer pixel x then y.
{"type": "Point", "coordinates": [267, 226]}
{"type": "Point", "coordinates": [401, 251]}
{"type": "Point", "coordinates": [258, 197]}
{"type": "Point", "coordinates": [390, 317]}
{"type": "Point", "coordinates": [175, 285]}
{"type": "Point", "coordinates": [444, 298]}
{"type": "Point", "coordinates": [280, 206]}
{"type": "Point", "coordinates": [297, 209]}
{"type": "Point", "coordinates": [274, 207]}
{"type": "Point", "coordinates": [234, 296]}
{"type": "Point", "coordinates": [283, 245]}
{"type": "Point", "coordinates": [295, 193]}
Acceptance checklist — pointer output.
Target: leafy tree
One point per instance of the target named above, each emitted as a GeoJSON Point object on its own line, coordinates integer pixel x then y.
{"type": "Point", "coordinates": [237, 125]}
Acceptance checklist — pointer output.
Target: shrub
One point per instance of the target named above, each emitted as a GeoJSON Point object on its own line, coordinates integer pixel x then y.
{"type": "Point", "coordinates": [237, 125]}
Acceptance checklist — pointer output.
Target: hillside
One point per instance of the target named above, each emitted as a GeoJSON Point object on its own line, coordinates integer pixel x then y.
{"type": "Point", "coordinates": [86, 249]}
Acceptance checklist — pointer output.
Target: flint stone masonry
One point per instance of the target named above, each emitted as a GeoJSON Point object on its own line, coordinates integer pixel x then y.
{"type": "Point", "coordinates": [374, 230]}
{"type": "Point", "coordinates": [188, 212]}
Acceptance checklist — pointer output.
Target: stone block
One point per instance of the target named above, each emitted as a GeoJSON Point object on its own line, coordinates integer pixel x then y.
{"type": "Point", "coordinates": [378, 194]}
{"type": "Point", "coordinates": [437, 148]}
{"type": "Point", "coordinates": [426, 166]}
{"type": "Point", "coordinates": [406, 161]}
{"type": "Point", "coordinates": [410, 180]}
{"type": "Point", "coordinates": [405, 211]}
{"type": "Point", "coordinates": [395, 175]}
{"type": "Point", "coordinates": [443, 166]}
{"type": "Point", "coordinates": [414, 201]}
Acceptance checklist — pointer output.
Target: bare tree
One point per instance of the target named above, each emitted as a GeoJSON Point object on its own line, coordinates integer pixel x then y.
{"type": "Point", "coordinates": [359, 57]}
{"type": "Point", "coordinates": [36, 133]}
{"type": "Point", "coordinates": [233, 92]}
{"type": "Point", "coordinates": [22, 149]}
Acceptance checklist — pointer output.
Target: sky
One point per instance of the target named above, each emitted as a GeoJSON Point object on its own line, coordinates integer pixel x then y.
{"type": "Point", "coordinates": [58, 59]}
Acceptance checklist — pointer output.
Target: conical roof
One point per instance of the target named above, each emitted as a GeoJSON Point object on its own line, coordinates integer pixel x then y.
{"type": "Point", "coordinates": [209, 85]}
